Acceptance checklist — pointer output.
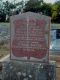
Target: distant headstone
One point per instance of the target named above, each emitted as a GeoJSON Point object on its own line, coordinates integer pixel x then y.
{"type": "Point", "coordinates": [30, 34]}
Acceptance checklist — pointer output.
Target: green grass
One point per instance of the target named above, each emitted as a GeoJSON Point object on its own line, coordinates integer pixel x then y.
{"type": "Point", "coordinates": [53, 26]}
{"type": "Point", "coordinates": [4, 50]}
{"type": "Point", "coordinates": [5, 24]}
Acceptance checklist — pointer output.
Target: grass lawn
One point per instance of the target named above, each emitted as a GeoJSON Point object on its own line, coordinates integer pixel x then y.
{"type": "Point", "coordinates": [4, 49]}
{"type": "Point", "coordinates": [4, 24]}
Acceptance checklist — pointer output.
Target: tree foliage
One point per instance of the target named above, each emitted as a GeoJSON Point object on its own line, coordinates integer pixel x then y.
{"type": "Point", "coordinates": [46, 9]}
{"type": "Point", "coordinates": [8, 8]}
{"type": "Point", "coordinates": [38, 6]}
{"type": "Point", "coordinates": [33, 5]}
{"type": "Point", "coordinates": [52, 10]}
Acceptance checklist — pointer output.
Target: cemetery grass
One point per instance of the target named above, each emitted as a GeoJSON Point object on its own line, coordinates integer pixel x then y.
{"type": "Point", "coordinates": [4, 49]}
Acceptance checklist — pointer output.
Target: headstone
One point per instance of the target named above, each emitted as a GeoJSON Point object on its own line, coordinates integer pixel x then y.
{"type": "Point", "coordinates": [30, 34]}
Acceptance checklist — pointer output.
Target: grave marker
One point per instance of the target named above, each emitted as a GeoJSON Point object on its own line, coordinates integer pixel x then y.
{"type": "Point", "coordinates": [30, 34]}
